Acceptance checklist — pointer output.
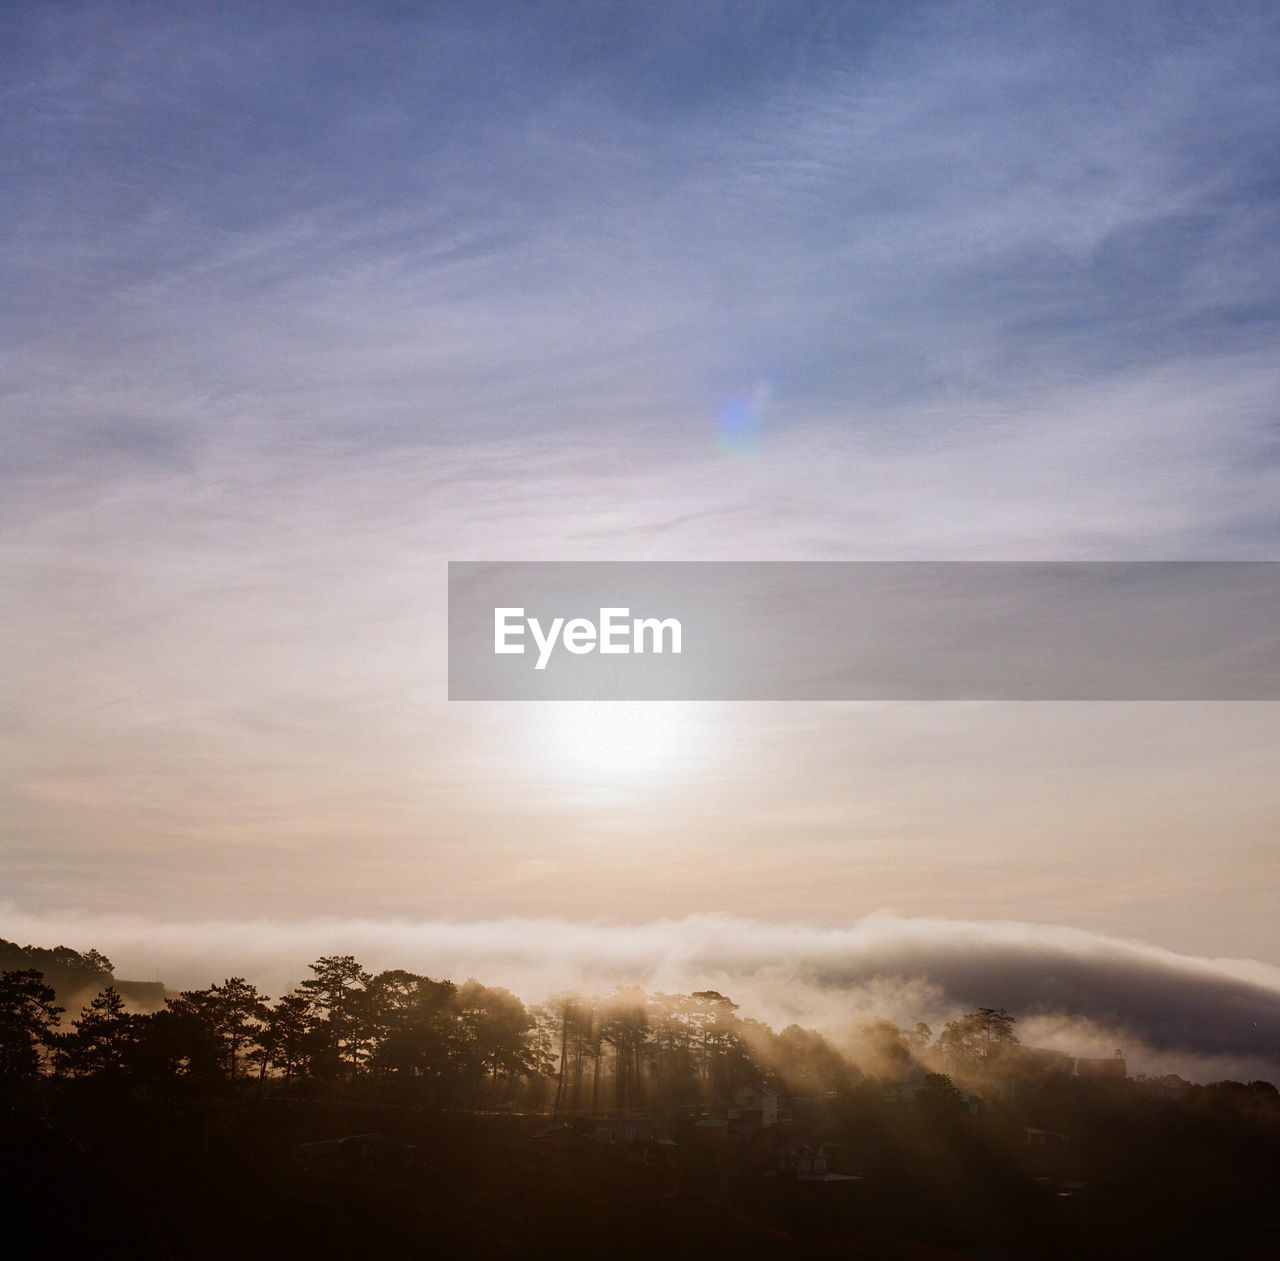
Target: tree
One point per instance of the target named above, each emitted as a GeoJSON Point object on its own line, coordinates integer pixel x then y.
{"type": "Point", "coordinates": [979, 1039]}
{"type": "Point", "coordinates": [801, 1061]}
{"type": "Point", "coordinates": [177, 1042]}
{"type": "Point", "coordinates": [396, 999]}
{"type": "Point", "coordinates": [67, 970]}
{"type": "Point", "coordinates": [418, 1034]}
{"type": "Point", "coordinates": [918, 1039]}
{"type": "Point", "coordinates": [564, 1016]}
{"type": "Point", "coordinates": [496, 1027]}
{"type": "Point", "coordinates": [234, 1011]}
{"type": "Point", "coordinates": [95, 961]}
{"type": "Point", "coordinates": [938, 1097]}
{"type": "Point", "coordinates": [28, 1019]}
{"type": "Point", "coordinates": [721, 1053]}
{"type": "Point", "coordinates": [100, 1040]}
{"type": "Point", "coordinates": [884, 1051]}
{"type": "Point", "coordinates": [674, 1050]}
{"type": "Point", "coordinates": [625, 1027]}
{"type": "Point", "coordinates": [540, 1042]}
{"type": "Point", "coordinates": [288, 1036]}
{"type": "Point", "coordinates": [338, 1000]}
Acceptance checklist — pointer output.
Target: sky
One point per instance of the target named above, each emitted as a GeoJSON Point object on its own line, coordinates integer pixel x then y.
{"type": "Point", "coordinates": [302, 304]}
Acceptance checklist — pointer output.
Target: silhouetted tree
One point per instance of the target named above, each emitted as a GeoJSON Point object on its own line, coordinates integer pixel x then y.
{"type": "Point", "coordinates": [66, 970]}
{"type": "Point", "coordinates": [100, 1040]}
{"type": "Point", "coordinates": [338, 994]}
{"type": "Point", "coordinates": [28, 1018]}
{"type": "Point", "coordinates": [496, 1025]}
{"type": "Point", "coordinates": [179, 1041]}
{"type": "Point", "coordinates": [418, 1033]}
{"type": "Point", "coordinates": [234, 1011]}
{"type": "Point", "coordinates": [287, 1037]}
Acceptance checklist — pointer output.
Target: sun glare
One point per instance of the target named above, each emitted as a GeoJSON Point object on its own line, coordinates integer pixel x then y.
{"type": "Point", "coordinates": [618, 742]}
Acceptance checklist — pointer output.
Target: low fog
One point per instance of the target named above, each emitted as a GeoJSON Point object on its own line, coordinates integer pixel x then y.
{"type": "Point", "coordinates": [1070, 990]}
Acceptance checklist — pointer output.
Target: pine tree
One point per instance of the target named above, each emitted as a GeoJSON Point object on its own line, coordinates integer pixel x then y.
{"type": "Point", "coordinates": [28, 1019]}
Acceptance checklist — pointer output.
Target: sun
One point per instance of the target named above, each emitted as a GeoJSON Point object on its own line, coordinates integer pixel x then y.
{"type": "Point", "coordinates": [618, 743]}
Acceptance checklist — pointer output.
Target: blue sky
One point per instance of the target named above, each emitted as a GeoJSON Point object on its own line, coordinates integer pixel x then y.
{"type": "Point", "coordinates": [362, 229]}
{"type": "Point", "coordinates": [300, 305]}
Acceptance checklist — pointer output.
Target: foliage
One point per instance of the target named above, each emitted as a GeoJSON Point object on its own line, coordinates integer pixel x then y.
{"type": "Point", "coordinates": [67, 971]}
{"type": "Point", "coordinates": [28, 1018]}
{"type": "Point", "coordinates": [939, 1097]}
{"type": "Point", "coordinates": [101, 1040]}
{"type": "Point", "coordinates": [232, 1014]}
{"type": "Point", "coordinates": [980, 1039]}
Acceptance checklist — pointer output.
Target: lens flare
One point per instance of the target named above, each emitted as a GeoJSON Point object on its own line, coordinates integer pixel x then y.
{"type": "Point", "coordinates": [741, 418]}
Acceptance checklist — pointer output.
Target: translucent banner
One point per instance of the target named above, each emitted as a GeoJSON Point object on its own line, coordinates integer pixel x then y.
{"type": "Point", "coordinates": [1198, 630]}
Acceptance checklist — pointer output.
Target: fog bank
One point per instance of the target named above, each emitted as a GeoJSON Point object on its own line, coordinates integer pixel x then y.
{"type": "Point", "coordinates": [1073, 990]}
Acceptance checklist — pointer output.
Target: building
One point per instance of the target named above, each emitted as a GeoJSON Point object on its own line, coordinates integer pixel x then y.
{"type": "Point", "coordinates": [755, 1106]}
{"type": "Point", "coordinates": [1107, 1066]}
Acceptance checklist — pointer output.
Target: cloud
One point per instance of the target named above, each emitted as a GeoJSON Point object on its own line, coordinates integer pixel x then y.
{"type": "Point", "coordinates": [533, 228]}
{"type": "Point", "coordinates": [1005, 276]}
{"type": "Point", "coordinates": [1081, 992]}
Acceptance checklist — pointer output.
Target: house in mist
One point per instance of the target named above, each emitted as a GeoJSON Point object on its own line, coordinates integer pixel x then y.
{"type": "Point", "coordinates": [1044, 1061]}
{"type": "Point", "coordinates": [756, 1107]}
{"type": "Point", "coordinates": [1107, 1066]}
{"type": "Point", "coordinates": [143, 996]}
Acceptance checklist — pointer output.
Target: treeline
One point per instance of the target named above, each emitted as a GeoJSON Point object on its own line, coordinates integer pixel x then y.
{"type": "Point", "coordinates": [67, 970]}
{"type": "Point", "coordinates": [435, 1041]}
{"type": "Point", "coordinates": [342, 1025]}
{"type": "Point", "coordinates": [395, 1032]}
{"type": "Point", "coordinates": [634, 1049]}
{"type": "Point", "coordinates": [401, 1035]}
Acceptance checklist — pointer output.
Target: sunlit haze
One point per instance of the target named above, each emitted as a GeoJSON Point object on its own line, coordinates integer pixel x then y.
{"type": "Point", "coordinates": [301, 305]}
